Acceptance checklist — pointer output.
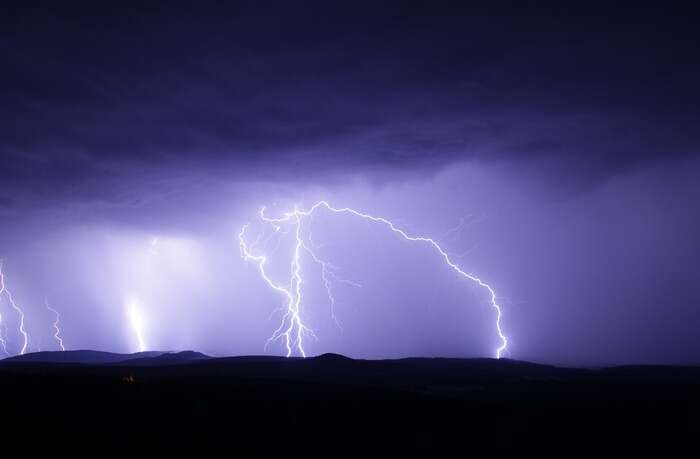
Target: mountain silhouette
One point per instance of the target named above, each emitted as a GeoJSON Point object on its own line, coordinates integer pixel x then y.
{"type": "Point", "coordinates": [81, 356]}
{"type": "Point", "coordinates": [188, 398]}
{"type": "Point", "coordinates": [165, 358]}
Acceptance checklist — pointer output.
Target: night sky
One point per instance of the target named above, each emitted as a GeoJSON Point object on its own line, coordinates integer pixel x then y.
{"type": "Point", "coordinates": [552, 151]}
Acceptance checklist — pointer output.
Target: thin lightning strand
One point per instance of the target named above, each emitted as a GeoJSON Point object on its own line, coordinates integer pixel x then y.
{"type": "Point", "coordinates": [3, 341]}
{"type": "Point", "coordinates": [57, 334]}
{"type": "Point", "coordinates": [292, 318]}
{"type": "Point", "coordinates": [328, 272]}
{"type": "Point", "coordinates": [8, 295]}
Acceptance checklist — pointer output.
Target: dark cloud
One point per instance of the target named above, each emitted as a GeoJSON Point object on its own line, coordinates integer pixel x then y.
{"type": "Point", "coordinates": [98, 93]}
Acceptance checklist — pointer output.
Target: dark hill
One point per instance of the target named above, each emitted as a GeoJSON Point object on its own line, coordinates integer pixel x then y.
{"type": "Point", "coordinates": [187, 398]}
{"type": "Point", "coordinates": [80, 356]}
{"type": "Point", "coordinates": [165, 358]}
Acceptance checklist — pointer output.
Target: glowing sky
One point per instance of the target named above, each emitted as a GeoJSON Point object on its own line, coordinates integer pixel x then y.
{"type": "Point", "coordinates": [551, 152]}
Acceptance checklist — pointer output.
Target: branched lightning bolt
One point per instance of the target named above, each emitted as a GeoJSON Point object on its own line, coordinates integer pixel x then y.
{"type": "Point", "coordinates": [292, 328]}
{"type": "Point", "coordinates": [57, 334]}
{"type": "Point", "coordinates": [8, 295]}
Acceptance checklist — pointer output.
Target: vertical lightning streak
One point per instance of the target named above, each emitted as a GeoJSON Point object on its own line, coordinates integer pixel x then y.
{"type": "Point", "coordinates": [8, 295]}
{"type": "Point", "coordinates": [296, 267]}
{"type": "Point", "coordinates": [57, 334]}
{"type": "Point", "coordinates": [3, 342]}
{"type": "Point", "coordinates": [136, 319]}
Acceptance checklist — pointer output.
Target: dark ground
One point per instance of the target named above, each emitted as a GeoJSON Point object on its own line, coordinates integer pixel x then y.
{"type": "Point", "coordinates": [51, 400]}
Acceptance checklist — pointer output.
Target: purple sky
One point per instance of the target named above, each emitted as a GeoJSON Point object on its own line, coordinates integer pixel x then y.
{"type": "Point", "coordinates": [562, 145]}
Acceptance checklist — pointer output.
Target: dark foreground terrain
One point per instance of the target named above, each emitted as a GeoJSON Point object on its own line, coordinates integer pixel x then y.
{"type": "Point", "coordinates": [81, 399]}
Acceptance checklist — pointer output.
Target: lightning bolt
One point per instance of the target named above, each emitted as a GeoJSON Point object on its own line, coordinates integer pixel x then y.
{"type": "Point", "coordinates": [292, 329]}
{"type": "Point", "coordinates": [8, 295]}
{"type": "Point", "coordinates": [328, 272]}
{"type": "Point", "coordinates": [57, 334]}
{"type": "Point", "coordinates": [3, 340]}
{"type": "Point", "coordinates": [133, 311]}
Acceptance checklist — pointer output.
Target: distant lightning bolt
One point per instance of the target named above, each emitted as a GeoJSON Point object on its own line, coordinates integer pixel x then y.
{"type": "Point", "coordinates": [57, 334]}
{"type": "Point", "coordinates": [136, 320]}
{"type": "Point", "coordinates": [3, 340]}
{"type": "Point", "coordinates": [292, 329]}
{"type": "Point", "coordinates": [8, 295]}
